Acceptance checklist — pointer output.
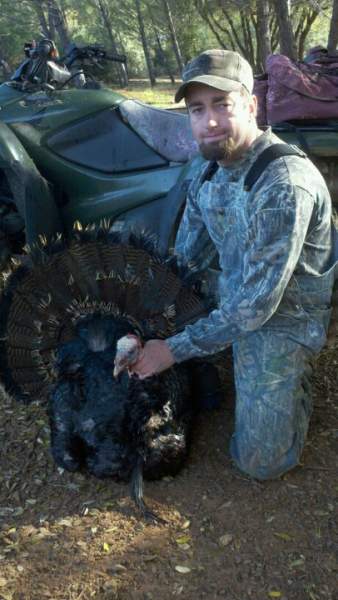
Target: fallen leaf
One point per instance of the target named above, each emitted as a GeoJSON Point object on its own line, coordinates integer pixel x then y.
{"type": "Point", "coordinates": [27, 530]}
{"type": "Point", "coordinates": [181, 569]}
{"type": "Point", "coordinates": [149, 557]}
{"type": "Point", "coordinates": [9, 542]}
{"type": "Point", "coordinates": [297, 563]}
{"type": "Point", "coordinates": [225, 505]}
{"type": "Point", "coordinates": [6, 595]}
{"type": "Point", "coordinates": [185, 547]}
{"type": "Point", "coordinates": [73, 487]}
{"type": "Point", "coordinates": [283, 536]}
{"type": "Point", "coordinates": [106, 547]}
{"type": "Point", "coordinates": [108, 505]}
{"type": "Point", "coordinates": [3, 582]}
{"type": "Point", "coordinates": [119, 567]}
{"type": "Point", "coordinates": [45, 532]}
{"type": "Point", "coordinates": [66, 522]}
{"type": "Point", "coordinates": [186, 525]}
{"type": "Point", "coordinates": [274, 594]}
{"type": "Point", "coordinates": [226, 539]}
{"type": "Point", "coordinates": [184, 539]}
{"type": "Point", "coordinates": [4, 511]}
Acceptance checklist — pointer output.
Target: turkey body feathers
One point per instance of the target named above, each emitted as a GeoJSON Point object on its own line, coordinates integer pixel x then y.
{"type": "Point", "coordinates": [61, 318]}
{"type": "Point", "coordinates": [104, 425]}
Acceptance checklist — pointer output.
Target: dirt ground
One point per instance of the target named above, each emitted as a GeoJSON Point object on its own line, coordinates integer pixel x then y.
{"type": "Point", "coordinates": [70, 537]}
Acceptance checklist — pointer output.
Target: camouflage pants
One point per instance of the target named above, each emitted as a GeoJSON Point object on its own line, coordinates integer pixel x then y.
{"type": "Point", "coordinates": [273, 403]}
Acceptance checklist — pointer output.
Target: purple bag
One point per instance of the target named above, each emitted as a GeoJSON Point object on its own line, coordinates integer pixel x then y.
{"type": "Point", "coordinates": [321, 56]}
{"type": "Point", "coordinates": [299, 91]}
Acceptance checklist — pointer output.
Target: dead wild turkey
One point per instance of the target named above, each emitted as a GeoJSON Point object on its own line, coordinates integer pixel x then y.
{"type": "Point", "coordinates": [63, 312]}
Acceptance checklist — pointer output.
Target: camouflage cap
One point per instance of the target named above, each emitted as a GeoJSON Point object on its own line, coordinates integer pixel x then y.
{"type": "Point", "coordinates": [222, 69]}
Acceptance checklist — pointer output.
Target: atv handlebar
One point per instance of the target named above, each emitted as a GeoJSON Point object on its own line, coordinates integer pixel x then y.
{"type": "Point", "coordinates": [94, 53]}
{"type": "Point", "coordinates": [42, 68]}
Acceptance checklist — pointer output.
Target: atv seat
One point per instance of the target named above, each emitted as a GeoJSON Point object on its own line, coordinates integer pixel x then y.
{"type": "Point", "coordinates": [167, 132]}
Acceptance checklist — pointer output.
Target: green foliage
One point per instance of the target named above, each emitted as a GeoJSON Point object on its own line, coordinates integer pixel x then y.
{"type": "Point", "coordinates": [198, 25]}
{"type": "Point", "coordinates": [16, 27]}
{"type": "Point", "coordinates": [318, 33]}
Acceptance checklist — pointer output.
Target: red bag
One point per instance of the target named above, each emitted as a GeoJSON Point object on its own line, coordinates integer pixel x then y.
{"type": "Point", "coordinates": [299, 91]}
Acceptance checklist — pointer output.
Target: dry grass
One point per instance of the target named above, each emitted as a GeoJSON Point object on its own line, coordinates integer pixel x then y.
{"type": "Point", "coordinates": [161, 95]}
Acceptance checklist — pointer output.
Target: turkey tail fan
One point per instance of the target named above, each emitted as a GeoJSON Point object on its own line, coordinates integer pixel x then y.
{"type": "Point", "coordinates": [94, 272]}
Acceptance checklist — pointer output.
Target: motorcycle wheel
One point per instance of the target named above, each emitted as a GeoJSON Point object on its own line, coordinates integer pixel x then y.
{"type": "Point", "coordinates": [12, 226]}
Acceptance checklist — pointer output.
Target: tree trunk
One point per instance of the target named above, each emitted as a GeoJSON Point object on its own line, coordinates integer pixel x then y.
{"type": "Point", "coordinates": [145, 44]}
{"type": "Point", "coordinates": [164, 59]}
{"type": "Point", "coordinates": [42, 18]}
{"type": "Point", "coordinates": [305, 24]}
{"type": "Point", "coordinates": [51, 23]}
{"type": "Point", "coordinates": [203, 12]}
{"type": "Point", "coordinates": [286, 38]}
{"type": "Point", "coordinates": [333, 34]}
{"type": "Point", "coordinates": [173, 36]}
{"type": "Point", "coordinates": [165, 62]}
{"type": "Point", "coordinates": [59, 22]}
{"type": "Point", "coordinates": [247, 37]}
{"type": "Point", "coordinates": [120, 67]}
{"type": "Point", "coordinates": [263, 33]}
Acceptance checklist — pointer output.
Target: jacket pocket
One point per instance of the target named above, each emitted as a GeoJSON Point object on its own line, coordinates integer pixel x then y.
{"type": "Point", "coordinates": [220, 207]}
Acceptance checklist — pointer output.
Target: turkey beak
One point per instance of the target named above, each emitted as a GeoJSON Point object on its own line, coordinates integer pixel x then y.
{"type": "Point", "coordinates": [118, 368]}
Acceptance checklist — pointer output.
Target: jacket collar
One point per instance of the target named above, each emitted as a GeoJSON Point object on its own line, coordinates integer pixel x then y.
{"type": "Point", "coordinates": [239, 168]}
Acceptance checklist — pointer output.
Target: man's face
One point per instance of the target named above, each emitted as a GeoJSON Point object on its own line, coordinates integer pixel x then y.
{"type": "Point", "coordinates": [222, 123]}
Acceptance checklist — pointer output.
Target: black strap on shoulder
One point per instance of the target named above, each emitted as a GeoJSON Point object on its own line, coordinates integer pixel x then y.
{"type": "Point", "coordinates": [265, 158]}
{"type": "Point", "coordinates": [209, 171]}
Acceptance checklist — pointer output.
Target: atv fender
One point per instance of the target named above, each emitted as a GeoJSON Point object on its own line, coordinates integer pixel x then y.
{"type": "Point", "coordinates": [161, 217]}
{"type": "Point", "coordinates": [31, 194]}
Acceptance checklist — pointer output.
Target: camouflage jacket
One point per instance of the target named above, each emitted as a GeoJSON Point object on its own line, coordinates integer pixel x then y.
{"type": "Point", "coordinates": [273, 245]}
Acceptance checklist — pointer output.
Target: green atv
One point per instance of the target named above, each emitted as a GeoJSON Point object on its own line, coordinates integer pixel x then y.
{"type": "Point", "coordinates": [85, 154]}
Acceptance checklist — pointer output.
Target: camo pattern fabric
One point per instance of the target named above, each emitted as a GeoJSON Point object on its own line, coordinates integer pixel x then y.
{"type": "Point", "coordinates": [273, 245]}
{"type": "Point", "coordinates": [274, 289]}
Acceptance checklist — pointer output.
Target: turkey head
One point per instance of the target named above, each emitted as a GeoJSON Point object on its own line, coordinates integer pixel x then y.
{"type": "Point", "coordinates": [128, 352]}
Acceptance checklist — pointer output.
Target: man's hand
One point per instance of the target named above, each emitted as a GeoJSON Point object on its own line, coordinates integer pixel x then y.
{"type": "Point", "coordinates": [155, 357]}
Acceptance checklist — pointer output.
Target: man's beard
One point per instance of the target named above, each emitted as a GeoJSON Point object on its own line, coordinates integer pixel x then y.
{"type": "Point", "coordinates": [220, 150]}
